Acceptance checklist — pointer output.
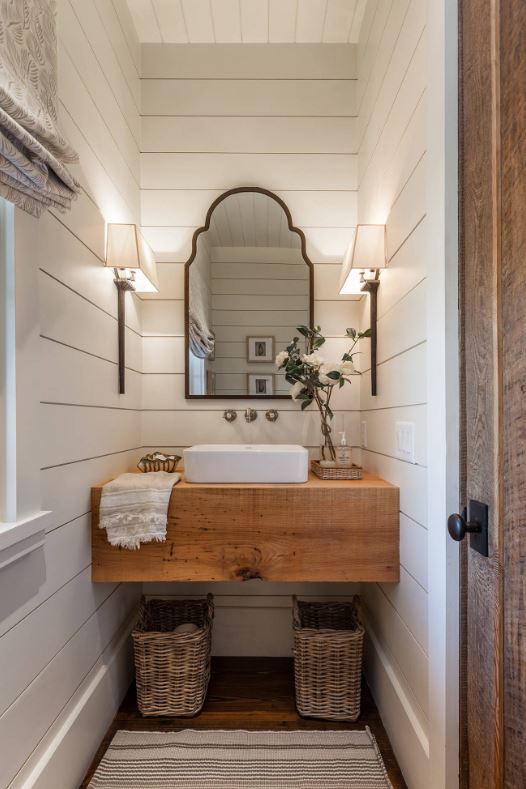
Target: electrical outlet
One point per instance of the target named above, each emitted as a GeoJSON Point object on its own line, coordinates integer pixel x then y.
{"type": "Point", "coordinates": [405, 441]}
{"type": "Point", "coordinates": [363, 435]}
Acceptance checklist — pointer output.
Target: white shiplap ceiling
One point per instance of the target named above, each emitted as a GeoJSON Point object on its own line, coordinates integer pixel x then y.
{"type": "Point", "coordinates": [247, 21]}
{"type": "Point", "coordinates": [250, 219]}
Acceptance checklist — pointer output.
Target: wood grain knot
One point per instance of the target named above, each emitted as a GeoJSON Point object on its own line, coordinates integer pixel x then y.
{"type": "Point", "coordinates": [247, 574]}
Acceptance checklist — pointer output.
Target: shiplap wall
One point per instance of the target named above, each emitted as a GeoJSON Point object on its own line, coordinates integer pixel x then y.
{"type": "Point", "coordinates": [220, 116]}
{"type": "Point", "coordinates": [391, 100]}
{"type": "Point", "coordinates": [242, 299]}
{"type": "Point", "coordinates": [64, 643]}
{"type": "Point", "coordinates": [217, 117]}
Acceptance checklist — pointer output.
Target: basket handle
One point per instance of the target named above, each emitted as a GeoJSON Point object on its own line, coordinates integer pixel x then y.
{"type": "Point", "coordinates": [210, 604]}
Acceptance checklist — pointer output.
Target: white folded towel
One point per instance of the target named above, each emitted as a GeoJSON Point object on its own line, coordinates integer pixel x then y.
{"type": "Point", "coordinates": [134, 508]}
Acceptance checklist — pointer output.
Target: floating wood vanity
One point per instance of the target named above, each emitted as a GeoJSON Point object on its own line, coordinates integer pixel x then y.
{"type": "Point", "coordinates": [318, 531]}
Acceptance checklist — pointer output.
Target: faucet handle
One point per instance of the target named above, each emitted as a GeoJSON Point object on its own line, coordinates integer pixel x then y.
{"type": "Point", "coordinates": [272, 415]}
{"type": "Point", "coordinates": [230, 415]}
{"type": "Point", "coordinates": [250, 415]}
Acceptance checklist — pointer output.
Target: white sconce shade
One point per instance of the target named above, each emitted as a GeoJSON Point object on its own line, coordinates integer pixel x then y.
{"type": "Point", "coordinates": [367, 252]}
{"type": "Point", "coordinates": [127, 249]}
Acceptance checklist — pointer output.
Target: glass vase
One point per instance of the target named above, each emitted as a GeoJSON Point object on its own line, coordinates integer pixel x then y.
{"type": "Point", "coordinates": [327, 449]}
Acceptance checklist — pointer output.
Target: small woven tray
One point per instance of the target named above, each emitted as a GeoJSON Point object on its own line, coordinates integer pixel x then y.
{"type": "Point", "coordinates": [158, 461]}
{"type": "Point", "coordinates": [333, 472]}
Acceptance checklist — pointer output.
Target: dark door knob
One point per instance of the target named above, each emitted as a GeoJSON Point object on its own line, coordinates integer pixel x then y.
{"type": "Point", "coordinates": [458, 527]}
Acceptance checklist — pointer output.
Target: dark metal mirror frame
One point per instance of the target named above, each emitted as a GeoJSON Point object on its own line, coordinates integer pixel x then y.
{"type": "Point", "coordinates": [206, 226]}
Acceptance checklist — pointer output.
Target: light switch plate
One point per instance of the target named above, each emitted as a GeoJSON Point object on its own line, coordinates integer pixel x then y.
{"type": "Point", "coordinates": [405, 441]}
{"type": "Point", "coordinates": [363, 435]}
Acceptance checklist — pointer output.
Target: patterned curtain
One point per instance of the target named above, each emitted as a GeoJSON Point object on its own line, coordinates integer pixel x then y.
{"type": "Point", "coordinates": [201, 337]}
{"type": "Point", "coordinates": [33, 152]}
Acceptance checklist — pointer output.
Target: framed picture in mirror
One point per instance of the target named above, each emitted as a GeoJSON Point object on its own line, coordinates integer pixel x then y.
{"type": "Point", "coordinates": [260, 385]}
{"type": "Point", "coordinates": [260, 349]}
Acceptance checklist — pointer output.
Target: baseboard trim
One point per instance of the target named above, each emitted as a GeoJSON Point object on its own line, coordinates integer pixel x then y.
{"type": "Point", "coordinates": [409, 739]}
{"type": "Point", "coordinates": [64, 754]}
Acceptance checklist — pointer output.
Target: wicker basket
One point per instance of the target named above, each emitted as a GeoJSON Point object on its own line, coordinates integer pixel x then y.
{"type": "Point", "coordinates": [158, 461]}
{"type": "Point", "coordinates": [172, 669]}
{"type": "Point", "coordinates": [335, 472]}
{"type": "Point", "coordinates": [328, 646]}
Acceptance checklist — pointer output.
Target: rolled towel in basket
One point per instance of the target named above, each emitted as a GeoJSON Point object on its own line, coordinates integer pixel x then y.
{"type": "Point", "coordinates": [134, 508]}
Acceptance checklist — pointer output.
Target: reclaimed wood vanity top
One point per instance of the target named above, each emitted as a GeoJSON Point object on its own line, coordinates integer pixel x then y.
{"type": "Point", "coordinates": [321, 530]}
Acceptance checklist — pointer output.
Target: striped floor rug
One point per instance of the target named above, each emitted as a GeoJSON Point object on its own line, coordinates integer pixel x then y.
{"type": "Point", "coordinates": [242, 760]}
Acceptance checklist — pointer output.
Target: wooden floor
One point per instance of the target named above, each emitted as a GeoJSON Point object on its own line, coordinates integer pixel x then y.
{"type": "Point", "coordinates": [250, 693]}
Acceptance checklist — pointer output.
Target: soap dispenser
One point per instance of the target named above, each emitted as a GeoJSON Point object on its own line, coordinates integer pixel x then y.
{"type": "Point", "coordinates": [343, 452]}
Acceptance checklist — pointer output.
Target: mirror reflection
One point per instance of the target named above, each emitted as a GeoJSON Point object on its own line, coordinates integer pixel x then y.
{"type": "Point", "coordinates": [248, 288]}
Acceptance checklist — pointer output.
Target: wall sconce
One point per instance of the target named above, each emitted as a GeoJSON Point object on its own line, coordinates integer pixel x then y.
{"type": "Point", "coordinates": [364, 258]}
{"type": "Point", "coordinates": [134, 267]}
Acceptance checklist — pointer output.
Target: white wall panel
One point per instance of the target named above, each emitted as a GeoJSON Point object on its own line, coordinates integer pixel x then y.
{"type": "Point", "coordinates": [163, 317]}
{"type": "Point", "coordinates": [173, 428]}
{"type": "Point", "coordinates": [105, 143]}
{"type": "Point", "coordinates": [404, 325]}
{"type": "Point", "coordinates": [409, 657]}
{"type": "Point", "coordinates": [196, 149]}
{"type": "Point", "coordinates": [82, 722]}
{"type": "Point", "coordinates": [85, 36]}
{"type": "Point", "coordinates": [401, 381]}
{"type": "Point", "coordinates": [54, 623]}
{"type": "Point", "coordinates": [413, 545]}
{"type": "Point", "coordinates": [222, 61]}
{"type": "Point", "coordinates": [71, 433]}
{"type": "Point", "coordinates": [194, 134]}
{"type": "Point", "coordinates": [410, 478]}
{"type": "Point", "coordinates": [83, 220]}
{"type": "Point", "coordinates": [171, 283]}
{"type": "Point", "coordinates": [381, 425]}
{"type": "Point", "coordinates": [70, 376]}
{"type": "Point", "coordinates": [68, 317]}
{"type": "Point", "coordinates": [124, 42]}
{"type": "Point", "coordinates": [54, 686]}
{"type": "Point", "coordinates": [66, 488]}
{"type": "Point", "coordinates": [410, 601]}
{"type": "Point", "coordinates": [26, 584]}
{"type": "Point", "coordinates": [240, 97]}
{"type": "Point", "coordinates": [226, 171]}
{"type": "Point", "coordinates": [381, 64]}
{"type": "Point", "coordinates": [393, 189]}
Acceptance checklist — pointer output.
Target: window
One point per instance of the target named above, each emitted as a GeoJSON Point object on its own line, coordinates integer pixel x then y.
{"type": "Point", "coordinates": [197, 375]}
{"type": "Point", "coordinates": [7, 365]}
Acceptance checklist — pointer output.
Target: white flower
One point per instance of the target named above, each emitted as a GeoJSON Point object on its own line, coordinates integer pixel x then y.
{"type": "Point", "coordinates": [313, 359]}
{"type": "Point", "coordinates": [296, 390]}
{"type": "Point", "coordinates": [281, 359]}
{"type": "Point", "coordinates": [325, 369]}
{"type": "Point", "coordinates": [347, 368]}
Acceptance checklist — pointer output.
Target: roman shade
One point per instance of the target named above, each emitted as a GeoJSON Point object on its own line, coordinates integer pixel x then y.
{"type": "Point", "coordinates": [33, 152]}
{"type": "Point", "coordinates": [201, 337]}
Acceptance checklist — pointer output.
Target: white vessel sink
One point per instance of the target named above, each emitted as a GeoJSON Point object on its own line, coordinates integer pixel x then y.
{"type": "Point", "coordinates": [246, 463]}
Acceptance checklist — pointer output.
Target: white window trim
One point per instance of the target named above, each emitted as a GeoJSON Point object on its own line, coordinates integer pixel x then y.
{"type": "Point", "coordinates": [7, 365]}
{"type": "Point", "coordinates": [18, 537]}
{"type": "Point", "coordinates": [197, 374]}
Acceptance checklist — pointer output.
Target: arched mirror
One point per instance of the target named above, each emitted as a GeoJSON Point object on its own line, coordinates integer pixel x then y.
{"type": "Point", "coordinates": [248, 285]}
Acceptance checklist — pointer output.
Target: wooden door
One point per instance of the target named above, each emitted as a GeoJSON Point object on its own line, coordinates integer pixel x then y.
{"type": "Point", "coordinates": [492, 82]}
